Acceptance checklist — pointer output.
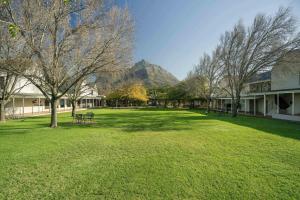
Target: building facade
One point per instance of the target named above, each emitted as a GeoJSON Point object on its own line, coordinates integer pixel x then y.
{"type": "Point", "coordinates": [30, 101]}
{"type": "Point", "coordinates": [275, 93]}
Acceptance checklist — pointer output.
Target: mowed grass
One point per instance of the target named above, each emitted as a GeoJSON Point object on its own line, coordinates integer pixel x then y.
{"type": "Point", "coordinates": [150, 154]}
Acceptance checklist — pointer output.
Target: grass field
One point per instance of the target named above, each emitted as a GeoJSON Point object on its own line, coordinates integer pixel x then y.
{"type": "Point", "coordinates": [150, 154]}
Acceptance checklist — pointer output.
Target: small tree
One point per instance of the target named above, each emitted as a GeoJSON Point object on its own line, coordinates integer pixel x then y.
{"type": "Point", "coordinates": [68, 41]}
{"type": "Point", "coordinates": [11, 54]}
{"type": "Point", "coordinates": [137, 92]}
{"type": "Point", "coordinates": [247, 51]}
{"type": "Point", "coordinates": [178, 93]}
{"type": "Point", "coordinates": [129, 92]}
{"type": "Point", "coordinates": [195, 87]}
{"type": "Point", "coordinates": [76, 93]}
{"type": "Point", "coordinates": [157, 94]}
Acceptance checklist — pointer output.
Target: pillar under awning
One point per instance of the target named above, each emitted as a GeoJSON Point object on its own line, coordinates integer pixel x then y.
{"type": "Point", "coordinates": [278, 99]}
{"type": "Point", "coordinates": [293, 105]}
{"type": "Point", "coordinates": [265, 105]}
{"type": "Point", "coordinates": [254, 105]}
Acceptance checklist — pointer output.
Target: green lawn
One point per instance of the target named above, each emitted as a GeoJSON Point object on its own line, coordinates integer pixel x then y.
{"type": "Point", "coordinates": [150, 154]}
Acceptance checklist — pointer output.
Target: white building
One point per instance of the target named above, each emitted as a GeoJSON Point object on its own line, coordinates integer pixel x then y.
{"type": "Point", "coordinates": [30, 101]}
{"type": "Point", "coordinates": [275, 93]}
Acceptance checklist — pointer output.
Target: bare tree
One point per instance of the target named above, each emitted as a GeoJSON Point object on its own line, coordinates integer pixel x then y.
{"type": "Point", "coordinates": [209, 74]}
{"type": "Point", "coordinates": [76, 93]}
{"type": "Point", "coordinates": [68, 40]}
{"type": "Point", "coordinates": [247, 51]}
{"type": "Point", "coordinates": [11, 54]}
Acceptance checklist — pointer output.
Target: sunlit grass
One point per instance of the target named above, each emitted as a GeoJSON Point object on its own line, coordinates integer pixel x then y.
{"type": "Point", "coordinates": [150, 154]}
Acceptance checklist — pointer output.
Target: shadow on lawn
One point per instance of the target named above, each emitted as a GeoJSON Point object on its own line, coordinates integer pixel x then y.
{"type": "Point", "coordinates": [150, 119]}
{"type": "Point", "coordinates": [273, 126]}
{"type": "Point", "coordinates": [139, 121]}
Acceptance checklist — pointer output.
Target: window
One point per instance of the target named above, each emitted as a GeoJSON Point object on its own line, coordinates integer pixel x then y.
{"type": "Point", "coordinates": [260, 87]}
{"type": "Point", "coordinates": [1, 82]}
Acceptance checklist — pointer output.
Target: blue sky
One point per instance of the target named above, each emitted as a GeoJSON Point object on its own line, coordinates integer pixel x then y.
{"type": "Point", "coordinates": [175, 33]}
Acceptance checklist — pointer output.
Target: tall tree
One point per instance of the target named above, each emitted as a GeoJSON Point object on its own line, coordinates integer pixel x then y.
{"type": "Point", "coordinates": [209, 73]}
{"type": "Point", "coordinates": [68, 40]}
{"type": "Point", "coordinates": [247, 51]}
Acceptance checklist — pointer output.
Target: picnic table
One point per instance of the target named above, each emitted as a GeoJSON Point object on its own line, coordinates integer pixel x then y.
{"type": "Point", "coordinates": [83, 118]}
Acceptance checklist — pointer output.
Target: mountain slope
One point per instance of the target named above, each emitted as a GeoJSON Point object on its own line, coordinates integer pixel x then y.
{"type": "Point", "coordinates": [149, 74]}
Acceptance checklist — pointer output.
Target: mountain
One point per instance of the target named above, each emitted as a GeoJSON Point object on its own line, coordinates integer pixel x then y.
{"type": "Point", "coordinates": [150, 75]}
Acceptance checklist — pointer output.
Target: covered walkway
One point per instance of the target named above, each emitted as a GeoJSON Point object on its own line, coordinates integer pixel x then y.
{"type": "Point", "coordinates": [283, 104]}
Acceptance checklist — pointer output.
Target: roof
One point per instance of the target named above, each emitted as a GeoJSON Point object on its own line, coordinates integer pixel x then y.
{"type": "Point", "coordinates": [265, 76]}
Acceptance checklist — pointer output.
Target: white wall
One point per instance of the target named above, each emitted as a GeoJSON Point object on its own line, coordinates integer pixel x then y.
{"type": "Point", "coordinates": [29, 88]}
{"type": "Point", "coordinates": [272, 107]}
{"type": "Point", "coordinates": [29, 106]}
{"type": "Point", "coordinates": [297, 104]}
{"type": "Point", "coordinates": [285, 74]}
{"type": "Point", "coordinates": [246, 89]}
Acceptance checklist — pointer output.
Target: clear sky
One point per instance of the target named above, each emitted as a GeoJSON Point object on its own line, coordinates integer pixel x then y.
{"type": "Point", "coordinates": [175, 33]}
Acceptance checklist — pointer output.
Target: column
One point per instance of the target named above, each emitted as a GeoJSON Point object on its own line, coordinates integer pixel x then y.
{"type": "Point", "coordinates": [293, 106]}
{"type": "Point", "coordinates": [231, 106]}
{"type": "Point", "coordinates": [65, 103]}
{"type": "Point", "coordinates": [254, 105]}
{"type": "Point", "coordinates": [265, 105]}
{"type": "Point", "coordinates": [13, 106]}
{"type": "Point", "coordinates": [278, 103]}
{"type": "Point", "coordinates": [245, 106]}
{"type": "Point", "coordinates": [86, 103]}
{"type": "Point", "coordinates": [80, 103]}
{"type": "Point", "coordinates": [39, 103]}
{"type": "Point", "coordinates": [93, 103]}
{"type": "Point", "coordinates": [221, 104]}
{"type": "Point", "coordinates": [23, 106]}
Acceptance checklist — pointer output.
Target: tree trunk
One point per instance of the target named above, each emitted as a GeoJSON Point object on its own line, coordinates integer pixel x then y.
{"type": "Point", "coordinates": [208, 105]}
{"type": "Point", "coordinates": [53, 113]}
{"type": "Point", "coordinates": [235, 107]}
{"type": "Point", "coordinates": [73, 108]}
{"type": "Point", "coordinates": [2, 111]}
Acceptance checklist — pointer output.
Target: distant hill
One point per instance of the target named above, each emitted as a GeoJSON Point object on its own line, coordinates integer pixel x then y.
{"type": "Point", "coordinates": [150, 75]}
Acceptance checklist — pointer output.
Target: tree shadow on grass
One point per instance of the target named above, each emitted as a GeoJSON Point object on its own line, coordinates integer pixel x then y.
{"type": "Point", "coordinates": [23, 126]}
{"type": "Point", "coordinates": [150, 119]}
{"type": "Point", "coordinates": [273, 126]}
{"type": "Point", "coordinates": [133, 121]}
